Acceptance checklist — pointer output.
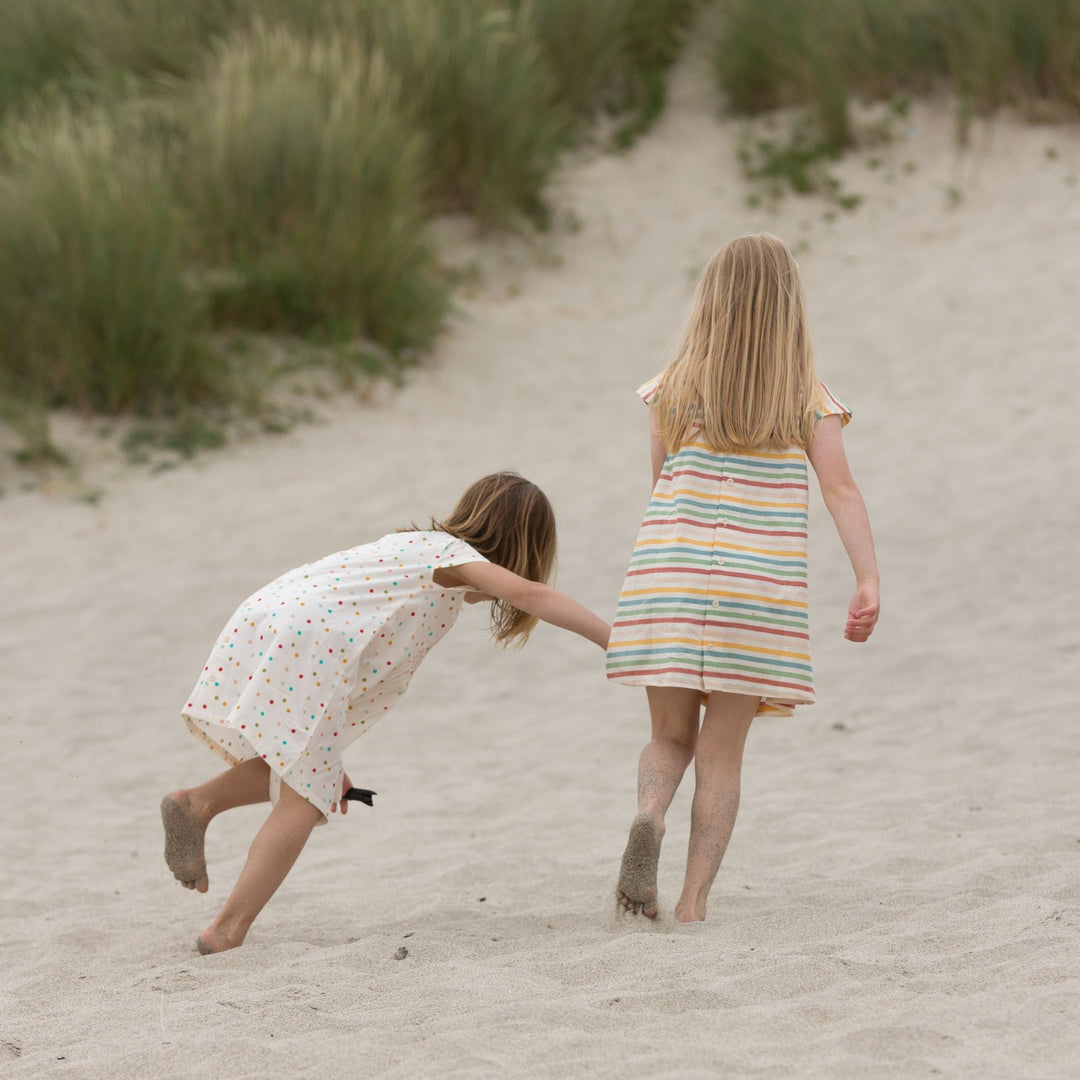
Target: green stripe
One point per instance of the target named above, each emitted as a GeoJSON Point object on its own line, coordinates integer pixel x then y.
{"type": "Point", "coordinates": [730, 563]}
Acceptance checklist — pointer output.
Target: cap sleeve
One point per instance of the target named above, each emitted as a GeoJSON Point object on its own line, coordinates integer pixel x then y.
{"type": "Point", "coordinates": [647, 391]}
{"type": "Point", "coordinates": [457, 553]}
{"type": "Point", "coordinates": [831, 405]}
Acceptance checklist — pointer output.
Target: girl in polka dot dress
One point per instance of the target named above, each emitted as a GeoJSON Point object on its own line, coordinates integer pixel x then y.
{"type": "Point", "coordinates": [308, 663]}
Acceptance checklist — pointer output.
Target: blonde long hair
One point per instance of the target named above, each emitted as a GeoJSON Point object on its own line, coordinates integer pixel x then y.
{"type": "Point", "coordinates": [509, 521]}
{"type": "Point", "coordinates": [743, 376]}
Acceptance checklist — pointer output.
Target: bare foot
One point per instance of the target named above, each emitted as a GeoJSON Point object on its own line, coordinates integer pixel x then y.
{"type": "Point", "coordinates": [686, 913]}
{"type": "Point", "coordinates": [185, 830]}
{"type": "Point", "coordinates": [214, 941]}
{"type": "Point", "coordinates": [636, 890]}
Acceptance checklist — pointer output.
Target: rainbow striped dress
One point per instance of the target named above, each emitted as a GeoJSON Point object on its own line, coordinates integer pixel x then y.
{"type": "Point", "coordinates": [716, 594]}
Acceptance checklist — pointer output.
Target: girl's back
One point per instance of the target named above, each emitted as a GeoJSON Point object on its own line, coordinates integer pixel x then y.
{"type": "Point", "coordinates": [716, 594]}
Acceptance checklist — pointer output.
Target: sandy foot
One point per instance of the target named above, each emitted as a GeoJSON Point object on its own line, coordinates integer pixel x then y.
{"type": "Point", "coordinates": [184, 837]}
{"type": "Point", "coordinates": [636, 890]}
{"type": "Point", "coordinates": [208, 942]}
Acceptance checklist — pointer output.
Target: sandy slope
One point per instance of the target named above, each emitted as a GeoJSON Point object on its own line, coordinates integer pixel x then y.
{"type": "Point", "coordinates": [900, 898]}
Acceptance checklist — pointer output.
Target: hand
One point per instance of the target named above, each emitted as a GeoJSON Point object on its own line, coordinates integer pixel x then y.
{"type": "Point", "coordinates": [862, 612]}
{"type": "Point", "coordinates": [346, 783]}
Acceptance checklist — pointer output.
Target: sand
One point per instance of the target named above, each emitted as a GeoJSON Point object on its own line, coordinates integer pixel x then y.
{"type": "Point", "coordinates": [900, 894]}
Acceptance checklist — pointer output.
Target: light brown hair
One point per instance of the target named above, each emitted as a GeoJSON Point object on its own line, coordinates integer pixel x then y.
{"type": "Point", "coordinates": [743, 375]}
{"type": "Point", "coordinates": [509, 521]}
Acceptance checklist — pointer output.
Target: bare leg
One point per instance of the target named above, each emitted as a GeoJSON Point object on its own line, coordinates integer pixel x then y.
{"type": "Point", "coordinates": [275, 849]}
{"type": "Point", "coordinates": [185, 813]}
{"type": "Point", "coordinates": [675, 713]}
{"type": "Point", "coordinates": [717, 774]}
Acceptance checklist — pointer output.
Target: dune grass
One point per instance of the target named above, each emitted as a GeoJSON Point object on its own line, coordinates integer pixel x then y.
{"type": "Point", "coordinates": [95, 312]}
{"type": "Point", "coordinates": [479, 90]}
{"type": "Point", "coordinates": [172, 171]}
{"type": "Point", "coordinates": [305, 183]}
{"type": "Point", "coordinates": [824, 53]}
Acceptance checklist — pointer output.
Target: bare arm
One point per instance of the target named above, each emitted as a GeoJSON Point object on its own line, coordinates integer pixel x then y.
{"type": "Point", "coordinates": [845, 503]}
{"type": "Point", "coordinates": [540, 600]}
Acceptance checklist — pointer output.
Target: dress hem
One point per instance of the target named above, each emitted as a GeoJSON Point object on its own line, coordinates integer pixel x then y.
{"type": "Point", "coordinates": [281, 775]}
{"type": "Point", "coordinates": [770, 705]}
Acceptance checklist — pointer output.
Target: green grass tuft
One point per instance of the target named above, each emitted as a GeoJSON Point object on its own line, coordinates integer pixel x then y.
{"type": "Point", "coordinates": [95, 312]}
{"type": "Point", "coordinates": [306, 179]}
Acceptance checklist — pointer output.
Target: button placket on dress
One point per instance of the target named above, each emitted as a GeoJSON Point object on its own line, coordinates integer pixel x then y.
{"type": "Point", "coordinates": [720, 539]}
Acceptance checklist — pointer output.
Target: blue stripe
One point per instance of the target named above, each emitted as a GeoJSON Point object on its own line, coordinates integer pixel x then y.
{"type": "Point", "coordinates": [659, 553]}
{"type": "Point", "coordinates": [635, 606]}
{"type": "Point", "coordinates": [729, 509]}
{"type": "Point", "coordinates": [721, 466]}
{"type": "Point", "coordinates": [691, 655]}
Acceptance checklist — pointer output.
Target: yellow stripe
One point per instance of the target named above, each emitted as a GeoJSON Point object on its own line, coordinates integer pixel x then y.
{"type": "Point", "coordinates": [620, 644]}
{"type": "Point", "coordinates": [727, 547]}
{"type": "Point", "coordinates": [680, 590]}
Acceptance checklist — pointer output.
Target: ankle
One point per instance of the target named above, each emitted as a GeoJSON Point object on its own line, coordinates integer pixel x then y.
{"type": "Point", "coordinates": [224, 934]}
{"type": "Point", "coordinates": [654, 816]}
{"type": "Point", "coordinates": [687, 913]}
{"type": "Point", "coordinates": [691, 906]}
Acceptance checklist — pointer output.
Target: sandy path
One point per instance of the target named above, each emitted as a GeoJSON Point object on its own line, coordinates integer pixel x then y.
{"type": "Point", "coordinates": [900, 897]}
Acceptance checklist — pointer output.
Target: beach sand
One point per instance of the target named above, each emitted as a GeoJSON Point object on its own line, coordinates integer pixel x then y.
{"type": "Point", "coordinates": [900, 898]}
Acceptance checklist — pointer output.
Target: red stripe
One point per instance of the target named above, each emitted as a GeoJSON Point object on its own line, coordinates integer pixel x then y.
{"type": "Point", "coordinates": [753, 679]}
{"type": "Point", "coordinates": [760, 577]}
{"type": "Point", "coordinates": [761, 630]}
{"type": "Point", "coordinates": [737, 479]}
{"type": "Point", "coordinates": [767, 484]}
{"type": "Point", "coordinates": [748, 627]}
{"type": "Point", "coordinates": [661, 622]}
{"type": "Point", "coordinates": [656, 671]}
{"type": "Point", "coordinates": [829, 395]}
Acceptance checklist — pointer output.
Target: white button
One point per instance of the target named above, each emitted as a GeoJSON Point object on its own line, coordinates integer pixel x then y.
{"type": "Point", "coordinates": [719, 562]}
{"type": "Point", "coordinates": [716, 603]}
{"type": "Point", "coordinates": [722, 521]}
{"type": "Point", "coordinates": [728, 480]}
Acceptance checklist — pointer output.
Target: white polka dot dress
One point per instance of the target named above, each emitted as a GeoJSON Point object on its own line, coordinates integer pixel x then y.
{"type": "Point", "coordinates": [311, 661]}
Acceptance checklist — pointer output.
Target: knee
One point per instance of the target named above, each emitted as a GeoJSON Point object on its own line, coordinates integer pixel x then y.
{"type": "Point", "coordinates": [680, 744]}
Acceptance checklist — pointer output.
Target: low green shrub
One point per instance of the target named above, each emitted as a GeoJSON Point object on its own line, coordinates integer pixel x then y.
{"type": "Point", "coordinates": [820, 53]}
{"type": "Point", "coordinates": [479, 89]}
{"type": "Point", "coordinates": [42, 43]}
{"type": "Point", "coordinates": [95, 311]}
{"type": "Point", "coordinates": [306, 181]}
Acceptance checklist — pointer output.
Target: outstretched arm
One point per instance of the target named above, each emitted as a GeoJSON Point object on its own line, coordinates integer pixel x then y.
{"type": "Point", "coordinates": [845, 504]}
{"type": "Point", "coordinates": [540, 600]}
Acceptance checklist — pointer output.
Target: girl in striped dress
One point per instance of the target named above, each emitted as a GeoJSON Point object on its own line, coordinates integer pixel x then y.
{"type": "Point", "coordinates": [712, 618]}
